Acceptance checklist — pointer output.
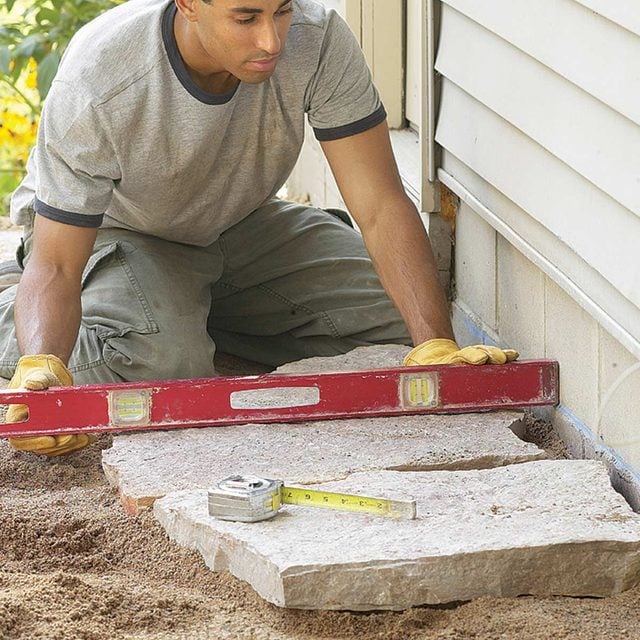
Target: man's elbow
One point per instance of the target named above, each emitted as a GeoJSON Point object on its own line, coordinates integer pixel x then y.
{"type": "Point", "coordinates": [387, 212]}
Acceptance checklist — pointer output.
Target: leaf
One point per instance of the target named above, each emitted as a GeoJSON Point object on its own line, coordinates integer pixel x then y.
{"type": "Point", "coordinates": [18, 65]}
{"type": "Point", "coordinates": [7, 34]}
{"type": "Point", "coordinates": [10, 4]}
{"type": "Point", "coordinates": [47, 70]}
{"type": "Point", "coordinates": [5, 60]}
{"type": "Point", "coordinates": [27, 47]}
{"type": "Point", "coordinates": [47, 15]}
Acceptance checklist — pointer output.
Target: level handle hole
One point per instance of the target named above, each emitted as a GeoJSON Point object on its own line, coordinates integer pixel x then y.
{"type": "Point", "coordinates": [275, 398]}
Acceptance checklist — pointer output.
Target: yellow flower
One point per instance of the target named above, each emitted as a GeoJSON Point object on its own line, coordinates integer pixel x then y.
{"type": "Point", "coordinates": [5, 135]}
{"type": "Point", "coordinates": [18, 128]}
{"type": "Point", "coordinates": [32, 74]}
{"type": "Point", "coordinates": [16, 122]}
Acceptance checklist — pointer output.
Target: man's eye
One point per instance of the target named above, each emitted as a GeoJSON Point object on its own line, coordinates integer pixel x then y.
{"type": "Point", "coordinates": [282, 12]}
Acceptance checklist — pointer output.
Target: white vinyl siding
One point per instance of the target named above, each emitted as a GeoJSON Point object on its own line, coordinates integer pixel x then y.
{"type": "Point", "coordinates": [623, 12]}
{"type": "Point", "coordinates": [540, 122]}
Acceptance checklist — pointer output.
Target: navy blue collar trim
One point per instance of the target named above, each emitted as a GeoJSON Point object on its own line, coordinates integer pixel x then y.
{"type": "Point", "coordinates": [178, 66]}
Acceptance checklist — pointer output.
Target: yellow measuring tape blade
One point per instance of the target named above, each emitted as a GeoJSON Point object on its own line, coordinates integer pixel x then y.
{"type": "Point", "coordinates": [404, 509]}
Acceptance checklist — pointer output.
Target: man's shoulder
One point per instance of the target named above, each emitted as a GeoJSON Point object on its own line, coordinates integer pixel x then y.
{"type": "Point", "coordinates": [311, 24]}
{"type": "Point", "coordinates": [115, 49]}
{"type": "Point", "coordinates": [309, 13]}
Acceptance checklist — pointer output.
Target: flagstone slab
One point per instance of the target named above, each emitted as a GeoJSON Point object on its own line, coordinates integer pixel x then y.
{"type": "Point", "coordinates": [146, 466]}
{"type": "Point", "coordinates": [544, 527]}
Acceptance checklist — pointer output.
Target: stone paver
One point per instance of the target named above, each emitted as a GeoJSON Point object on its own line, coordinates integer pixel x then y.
{"type": "Point", "coordinates": [146, 466]}
{"type": "Point", "coordinates": [544, 527]}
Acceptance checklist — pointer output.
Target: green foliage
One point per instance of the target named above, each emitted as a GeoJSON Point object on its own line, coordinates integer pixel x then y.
{"type": "Point", "coordinates": [8, 184]}
{"type": "Point", "coordinates": [41, 31]}
{"type": "Point", "coordinates": [33, 37]}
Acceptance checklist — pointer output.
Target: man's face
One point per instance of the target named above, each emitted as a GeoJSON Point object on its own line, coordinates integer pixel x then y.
{"type": "Point", "coordinates": [244, 37]}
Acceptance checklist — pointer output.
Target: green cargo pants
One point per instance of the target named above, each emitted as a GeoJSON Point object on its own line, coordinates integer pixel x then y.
{"type": "Point", "coordinates": [286, 283]}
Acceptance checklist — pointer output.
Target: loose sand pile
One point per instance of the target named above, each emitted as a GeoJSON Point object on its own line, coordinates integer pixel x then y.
{"type": "Point", "coordinates": [74, 566]}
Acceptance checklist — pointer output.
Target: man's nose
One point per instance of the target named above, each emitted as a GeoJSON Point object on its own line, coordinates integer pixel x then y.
{"type": "Point", "coordinates": [268, 39]}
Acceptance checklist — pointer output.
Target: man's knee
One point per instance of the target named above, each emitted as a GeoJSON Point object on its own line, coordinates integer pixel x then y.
{"type": "Point", "coordinates": [137, 357]}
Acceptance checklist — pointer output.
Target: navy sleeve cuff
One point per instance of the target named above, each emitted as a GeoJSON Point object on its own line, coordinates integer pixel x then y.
{"type": "Point", "coordinates": [335, 133]}
{"type": "Point", "coordinates": [67, 217]}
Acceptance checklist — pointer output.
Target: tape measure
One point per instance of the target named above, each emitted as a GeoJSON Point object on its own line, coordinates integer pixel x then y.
{"type": "Point", "coordinates": [252, 499]}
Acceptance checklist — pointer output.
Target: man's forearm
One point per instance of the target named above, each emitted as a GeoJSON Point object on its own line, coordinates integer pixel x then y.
{"type": "Point", "coordinates": [402, 255]}
{"type": "Point", "coordinates": [47, 312]}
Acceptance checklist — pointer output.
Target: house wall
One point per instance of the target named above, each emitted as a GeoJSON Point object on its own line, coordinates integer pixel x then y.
{"type": "Point", "coordinates": [504, 298]}
{"type": "Point", "coordinates": [539, 132]}
{"type": "Point", "coordinates": [523, 117]}
{"type": "Point", "coordinates": [539, 127]}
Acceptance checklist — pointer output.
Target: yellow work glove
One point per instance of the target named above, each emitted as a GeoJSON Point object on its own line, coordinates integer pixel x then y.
{"type": "Point", "coordinates": [36, 373]}
{"type": "Point", "coordinates": [444, 351]}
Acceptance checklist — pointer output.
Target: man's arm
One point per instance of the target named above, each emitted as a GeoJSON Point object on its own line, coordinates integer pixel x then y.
{"type": "Point", "coordinates": [47, 309]}
{"type": "Point", "coordinates": [368, 178]}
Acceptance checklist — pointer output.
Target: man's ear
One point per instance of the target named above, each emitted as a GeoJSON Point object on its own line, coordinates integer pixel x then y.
{"type": "Point", "coordinates": [188, 9]}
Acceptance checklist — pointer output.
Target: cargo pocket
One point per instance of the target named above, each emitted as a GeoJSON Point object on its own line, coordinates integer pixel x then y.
{"type": "Point", "coordinates": [113, 300]}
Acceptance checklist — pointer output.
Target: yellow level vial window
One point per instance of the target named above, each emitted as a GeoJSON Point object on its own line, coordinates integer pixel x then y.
{"type": "Point", "coordinates": [419, 390]}
{"type": "Point", "coordinates": [130, 407]}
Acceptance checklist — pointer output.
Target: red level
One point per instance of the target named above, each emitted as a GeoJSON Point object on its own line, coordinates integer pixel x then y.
{"type": "Point", "coordinates": [269, 398]}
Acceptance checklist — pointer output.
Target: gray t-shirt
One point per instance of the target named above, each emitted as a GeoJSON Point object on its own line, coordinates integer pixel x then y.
{"type": "Point", "coordinates": [128, 140]}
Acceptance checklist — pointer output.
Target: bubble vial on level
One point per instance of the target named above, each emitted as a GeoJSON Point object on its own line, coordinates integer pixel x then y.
{"type": "Point", "coordinates": [418, 390]}
{"type": "Point", "coordinates": [130, 407]}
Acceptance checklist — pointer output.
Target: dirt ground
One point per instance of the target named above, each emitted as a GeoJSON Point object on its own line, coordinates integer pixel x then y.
{"type": "Point", "coordinates": [74, 566]}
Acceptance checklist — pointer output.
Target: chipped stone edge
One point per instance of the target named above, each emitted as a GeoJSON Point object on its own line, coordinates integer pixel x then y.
{"type": "Point", "coordinates": [131, 504]}
{"type": "Point", "coordinates": [614, 558]}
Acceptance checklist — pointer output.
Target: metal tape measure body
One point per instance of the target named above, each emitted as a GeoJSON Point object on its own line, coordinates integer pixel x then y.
{"type": "Point", "coordinates": [245, 499]}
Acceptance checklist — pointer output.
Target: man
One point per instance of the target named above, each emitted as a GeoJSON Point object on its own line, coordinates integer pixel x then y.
{"type": "Point", "coordinates": [152, 235]}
